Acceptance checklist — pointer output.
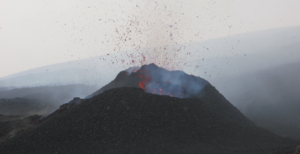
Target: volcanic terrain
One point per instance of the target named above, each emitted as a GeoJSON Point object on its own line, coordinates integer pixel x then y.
{"type": "Point", "coordinates": [133, 118]}
{"type": "Point", "coordinates": [11, 126]}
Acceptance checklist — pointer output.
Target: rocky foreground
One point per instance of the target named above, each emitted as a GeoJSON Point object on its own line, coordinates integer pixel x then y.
{"type": "Point", "coordinates": [11, 126]}
{"type": "Point", "coordinates": [128, 120]}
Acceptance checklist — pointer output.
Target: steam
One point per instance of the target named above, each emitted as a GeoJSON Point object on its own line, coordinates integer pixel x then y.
{"type": "Point", "coordinates": [132, 69]}
{"type": "Point", "coordinates": [159, 81]}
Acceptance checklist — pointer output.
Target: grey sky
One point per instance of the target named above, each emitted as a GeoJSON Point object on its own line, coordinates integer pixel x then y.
{"type": "Point", "coordinates": [36, 33]}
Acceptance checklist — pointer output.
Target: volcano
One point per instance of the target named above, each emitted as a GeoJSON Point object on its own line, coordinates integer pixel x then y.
{"type": "Point", "coordinates": [156, 80]}
{"type": "Point", "coordinates": [133, 119]}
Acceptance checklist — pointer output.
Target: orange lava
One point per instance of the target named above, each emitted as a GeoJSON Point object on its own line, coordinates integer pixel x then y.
{"type": "Point", "coordinates": [142, 84]}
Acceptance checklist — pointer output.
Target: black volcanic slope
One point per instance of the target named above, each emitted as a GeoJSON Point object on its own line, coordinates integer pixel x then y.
{"type": "Point", "coordinates": [11, 126]}
{"type": "Point", "coordinates": [128, 120]}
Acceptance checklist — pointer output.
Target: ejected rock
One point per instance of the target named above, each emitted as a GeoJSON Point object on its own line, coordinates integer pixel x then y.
{"type": "Point", "coordinates": [128, 120]}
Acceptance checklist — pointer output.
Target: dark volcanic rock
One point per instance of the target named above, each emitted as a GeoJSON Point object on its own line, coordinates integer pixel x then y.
{"type": "Point", "coordinates": [128, 120]}
{"type": "Point", "coordinates": [11, 126]}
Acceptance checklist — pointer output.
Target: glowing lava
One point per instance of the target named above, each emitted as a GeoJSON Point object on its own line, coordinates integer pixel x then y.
{"type": "Point", "coordinates": [146, 79]}
{"type": "Point", "coordinates": [142, 84]}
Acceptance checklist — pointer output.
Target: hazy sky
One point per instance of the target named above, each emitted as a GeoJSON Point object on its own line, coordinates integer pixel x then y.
{"type": "Point", "coordinates": [36, 33]}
